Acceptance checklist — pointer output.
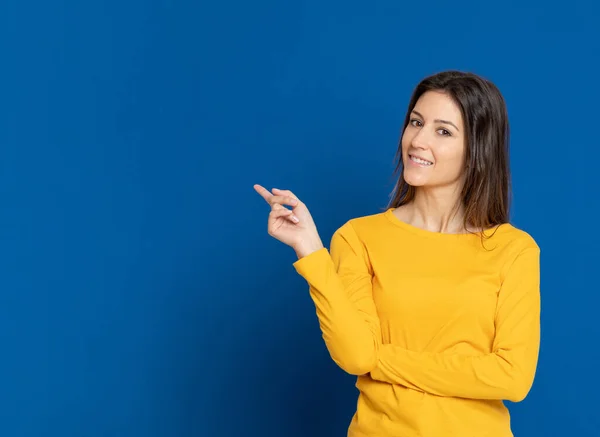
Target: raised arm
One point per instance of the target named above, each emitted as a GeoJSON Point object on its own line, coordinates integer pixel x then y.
{"type": "Point", "coordinates": [340, 285]}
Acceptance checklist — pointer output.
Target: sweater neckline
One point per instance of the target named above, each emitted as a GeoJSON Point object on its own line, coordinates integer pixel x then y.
{"type": "Point", "coordinates": [433, 234]}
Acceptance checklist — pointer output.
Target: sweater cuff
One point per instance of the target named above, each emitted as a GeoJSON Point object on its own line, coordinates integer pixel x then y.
{"type": "Point", "coordinates": [314, 265]}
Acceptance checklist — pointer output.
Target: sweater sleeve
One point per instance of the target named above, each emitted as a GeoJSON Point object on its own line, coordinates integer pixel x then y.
{"type": "Point", "coordinates": [340, 285]}
{"type": "Point", "coordinates": [506, 373]}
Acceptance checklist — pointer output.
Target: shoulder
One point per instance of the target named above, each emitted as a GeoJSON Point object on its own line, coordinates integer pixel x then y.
{"type": "Point", "coordinates": [517, 244]}
{"type": "Point", "coordinates": [358, 230]}
{"type": "Point", "coordinates": [517, 239]}
{"type": "Point", "coordinates": [366, 222]}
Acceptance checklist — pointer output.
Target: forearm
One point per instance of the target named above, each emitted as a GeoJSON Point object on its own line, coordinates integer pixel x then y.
{"type": "Point", "coordinates": [489, 376]}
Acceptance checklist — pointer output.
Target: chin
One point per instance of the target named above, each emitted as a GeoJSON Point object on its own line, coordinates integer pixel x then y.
{"type": "Point", "coordinates": [415, 180]}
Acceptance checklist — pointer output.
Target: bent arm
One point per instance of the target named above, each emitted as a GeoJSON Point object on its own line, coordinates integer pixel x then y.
{"type": "Point", "coordinates": [340, 285]}
{"type": "Point", "coordinates": [506, 373]}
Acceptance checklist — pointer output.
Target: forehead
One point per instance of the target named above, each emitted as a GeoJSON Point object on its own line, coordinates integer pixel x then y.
{"type": "Point", "coordinates": [438, 105]}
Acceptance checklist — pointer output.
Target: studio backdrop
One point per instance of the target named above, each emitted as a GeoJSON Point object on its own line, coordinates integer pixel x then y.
{"type": "Point", "coordinates": [140, 292]}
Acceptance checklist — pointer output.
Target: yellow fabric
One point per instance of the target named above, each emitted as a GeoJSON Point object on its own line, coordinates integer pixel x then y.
{"type": "Point", "coordinates": [438, 330]}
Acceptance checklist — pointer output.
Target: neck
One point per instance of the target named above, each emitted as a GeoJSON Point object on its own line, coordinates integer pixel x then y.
{"type": "Point", "coordinates": [437, 209]}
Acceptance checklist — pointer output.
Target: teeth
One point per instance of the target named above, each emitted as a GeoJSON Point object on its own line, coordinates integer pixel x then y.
{"type": "Point", "coordinates": [420, 161]}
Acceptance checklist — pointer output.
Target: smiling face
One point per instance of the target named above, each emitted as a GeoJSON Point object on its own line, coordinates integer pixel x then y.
{"type": "Point", "coordinates": [433, 143]}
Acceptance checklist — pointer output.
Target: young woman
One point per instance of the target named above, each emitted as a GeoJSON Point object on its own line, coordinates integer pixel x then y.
{"type": "Point", "coordinates": [434, 303]}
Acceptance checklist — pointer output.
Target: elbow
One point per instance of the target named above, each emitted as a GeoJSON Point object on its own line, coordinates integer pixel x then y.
{"type": "Point", "coordinates": [357, 365]}
{"type": "Point", "coordinates": [517, 395]}
{"type": "Point", "coordinates": [517, 379]}
{"type": "Point", "coordinates": [519, 389]}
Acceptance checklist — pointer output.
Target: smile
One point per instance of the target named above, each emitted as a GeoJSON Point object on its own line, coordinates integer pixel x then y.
{"type": "Point", "coordinates": [420, 161]}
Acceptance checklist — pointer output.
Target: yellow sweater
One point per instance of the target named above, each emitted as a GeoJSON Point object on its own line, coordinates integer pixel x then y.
{"type": "Point", "coordinates": [438, 330]}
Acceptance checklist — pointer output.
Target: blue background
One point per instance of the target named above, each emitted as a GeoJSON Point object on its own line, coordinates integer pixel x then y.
{"type": "Point", "coordinates": [141, 294]}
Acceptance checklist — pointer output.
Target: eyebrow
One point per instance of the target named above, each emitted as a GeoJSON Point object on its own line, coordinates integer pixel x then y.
{"type": "Point", "coordinates": [438, 120]}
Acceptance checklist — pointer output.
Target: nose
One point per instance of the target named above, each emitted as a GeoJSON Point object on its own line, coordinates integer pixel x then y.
{"type": "Point", "coordinates": [421, 140]}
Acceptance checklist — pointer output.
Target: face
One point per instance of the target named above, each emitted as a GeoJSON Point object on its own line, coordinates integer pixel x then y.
{"type": "Point", "coordinates": [433, 143]}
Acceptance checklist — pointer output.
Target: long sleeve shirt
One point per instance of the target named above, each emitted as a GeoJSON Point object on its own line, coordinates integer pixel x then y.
{"type": "Point", "coordinates": [439, 328]}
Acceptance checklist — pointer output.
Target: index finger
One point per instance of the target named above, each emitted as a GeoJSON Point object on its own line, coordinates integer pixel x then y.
{"type": "Point", "coordinates": [266, 194]}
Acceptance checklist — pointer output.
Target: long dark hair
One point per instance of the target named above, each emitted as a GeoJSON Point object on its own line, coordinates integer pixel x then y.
{"type": "Point", "coordinates": [486, 193]}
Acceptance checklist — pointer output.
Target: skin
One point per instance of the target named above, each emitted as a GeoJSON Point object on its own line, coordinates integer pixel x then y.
{"type": "Point", "coordinates": [438, 185]}
{"type": "Point", "coordinates": [294, 227]}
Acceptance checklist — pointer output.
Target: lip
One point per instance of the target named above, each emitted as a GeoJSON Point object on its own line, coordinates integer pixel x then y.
{"type": "Point", "coordinates": [420, 157]}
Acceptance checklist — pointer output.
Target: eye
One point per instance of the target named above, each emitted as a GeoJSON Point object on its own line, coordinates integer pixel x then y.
{"type": "Point", "coordinates": [445, 132]}
{"type": "Point", "coordinates": [413, 121]}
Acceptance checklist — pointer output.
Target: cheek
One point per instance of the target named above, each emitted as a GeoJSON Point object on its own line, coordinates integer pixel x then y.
{"type": "Point", "coordinates": [450, 154]}
{"type": "Point", "coordinates": [405, 142]}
